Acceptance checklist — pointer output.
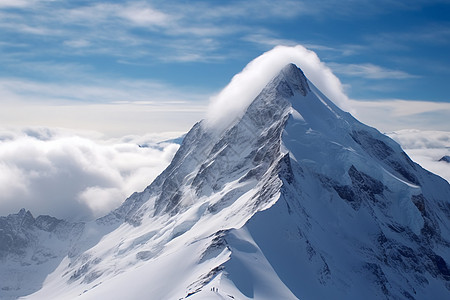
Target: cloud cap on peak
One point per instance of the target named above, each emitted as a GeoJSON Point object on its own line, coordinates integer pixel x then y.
{"type": "Point", "coordinates": [233, 100]}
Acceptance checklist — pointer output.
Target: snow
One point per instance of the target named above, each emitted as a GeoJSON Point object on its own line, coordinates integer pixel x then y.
{"type": "Point", "coordinates": [295, 200]}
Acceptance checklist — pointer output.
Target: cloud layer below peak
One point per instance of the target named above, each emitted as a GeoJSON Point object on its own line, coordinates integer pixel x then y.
{"type": "Point", "coordinates": [75, 177]}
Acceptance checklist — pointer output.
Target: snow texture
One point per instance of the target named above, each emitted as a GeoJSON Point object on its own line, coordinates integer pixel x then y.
{"type": "Point", "coordinates": [296, 199]}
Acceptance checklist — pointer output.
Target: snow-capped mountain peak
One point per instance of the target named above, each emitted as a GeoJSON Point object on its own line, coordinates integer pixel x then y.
{"type": "Point", "coordinates": [295, 79]}
{"type": "Point", "coordinates": [295, 199]}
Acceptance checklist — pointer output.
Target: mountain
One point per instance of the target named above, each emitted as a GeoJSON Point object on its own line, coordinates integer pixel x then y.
{"type": "Point", "coordinates": [445, 158]}
{"type": "Point", "coordinates": [296, 199]}
{"type": "Point", "coordinates": [31, 248]}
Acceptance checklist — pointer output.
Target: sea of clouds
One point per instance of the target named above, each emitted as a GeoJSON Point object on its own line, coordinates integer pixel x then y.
{"type": "Point", "coordinates": [74, 176]}
{"type": "Point", "coordinates": [426, 148]}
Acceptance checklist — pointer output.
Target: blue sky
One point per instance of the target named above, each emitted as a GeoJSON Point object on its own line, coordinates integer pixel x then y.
{"type": "Point", "coordinates": [124, 67]}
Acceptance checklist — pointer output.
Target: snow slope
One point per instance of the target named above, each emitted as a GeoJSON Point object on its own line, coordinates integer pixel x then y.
{"type": "Point", "coordinates": [294, 200]}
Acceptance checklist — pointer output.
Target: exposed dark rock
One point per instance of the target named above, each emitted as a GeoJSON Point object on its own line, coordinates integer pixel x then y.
{"type": "Point", "coordinates": [398, 167]}
{"type": "Point", "coordinates": [365, 183]}
{"type": "Point", "coordinates": [363, 187]}
{"type": "Point", "coordinates": [346, 192]}
{"type": "Point", "coordinates": [47, 223]}
{"type": "Point", "coordinates": [217, 245]}
{"type": "Point", "coordinates": [144, 255]}
{"type": "Point", "coordinates": [419, 202]}
{"type": "Point", "coordinates": [441, 266]}
{"type": "Point", "coordinates": [385, 153]}
{"type": "Point", "coordinates": [445, 158]}
{"type": "Point", "coordinates": [285, 169]}
{"type": "Point", "coordinates": [296, 79]}
{"type": "Point", "coordinates": [373, 146]}
{"type": "Point", "coordinates": [380, 277]}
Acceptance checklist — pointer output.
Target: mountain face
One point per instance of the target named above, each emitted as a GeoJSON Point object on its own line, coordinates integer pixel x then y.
{"type": "Point", "coordinates": [31, 248]}
{"type": "Point", "coordinates": [296, 199]}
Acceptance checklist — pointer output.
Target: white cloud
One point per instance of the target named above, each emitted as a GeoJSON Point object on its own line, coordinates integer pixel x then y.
{"type": "Point", "coordinates": [134, 13]}
{"type": "Point", "coordinates": [267, 40]}
{"type": "Point", "coordinates": [143, 15]}
{"type": "Point", "coordinates": [13, 3]}
{"type": "Point", "coordinates": [100, 200]}
{"type": "Point", "coordinates": [245, 86]}
{"type": "Point", "coordinates": [426, 148]}
{"type": "Point", "coordinates": [370, 71]}
{"type": "Point", "coordinates": [12, 182]}
{"type": "Point", "coordinates": [93, 91]}
{"type": "Point", "coordinates": [110, 27]}
{"type": "Point", "coordinates": [113, 120]}
{"type": "Point", "coordinates": [113, 107]}
{"type": "Point", "coordinates": [74, 177]}
{"type": "Point", "coordinates": [395, 114]}
{"type": "Point", "coordinates": [422, 139]}
{"type": "Point", "coordinates": [77, 43]}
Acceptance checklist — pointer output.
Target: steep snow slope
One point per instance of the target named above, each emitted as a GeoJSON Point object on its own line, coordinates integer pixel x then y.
{"type": "Point", "coordinates": [296, 199]}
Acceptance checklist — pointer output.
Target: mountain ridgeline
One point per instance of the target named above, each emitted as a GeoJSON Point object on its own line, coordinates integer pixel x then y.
{"type": "Point", "coordinates": [296, 199]}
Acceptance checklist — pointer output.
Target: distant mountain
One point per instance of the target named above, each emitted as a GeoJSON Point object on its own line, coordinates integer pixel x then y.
{"type": "Point", "coordinates": [31, 248]}
{"type": "Point", "coordinates": [296, 199]}
{"type": "Point", "coordinates": [445, 158]}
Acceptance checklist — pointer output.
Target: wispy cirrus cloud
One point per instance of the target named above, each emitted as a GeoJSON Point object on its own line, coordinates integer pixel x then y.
{"type": "Point", "coordinates": [427, 36]}
{"type": "Point", "coordinates": [369, 71]}
{"type": "Point", "coordinates": [118, 27]}
{"type": "Point", "coordinates": [14, 3]}
{"type": "Point", "coordinates": [115, 106]}
{"type": "Point", "coordinates": [269, 39]}
{"type": "Point", "coordinates": [111, 27]}
{"type": "Point", "coordinates": [396, 114]}
{"type": "Point", "coordinates": [97, 91]}
{"type": "Point", "coordinates": [431, 33]}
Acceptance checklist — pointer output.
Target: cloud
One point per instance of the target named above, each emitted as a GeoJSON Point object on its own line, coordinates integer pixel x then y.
{"type": "Point", "coordinates": [370, 71]}
{"type": "Point", "coordinates": [13, 3]}
{"type": "Point", "coordinates": [77, 43]}
{"type": "Point", "coordinates": [158, 29]}
{"type": "Point", "coordinates": [115, 107]}
{"type": "Point", "coordinates": [422, 139]}
{"type": "Point", "coordinates": [260, 9]}
{"type": "Point", "coordinates": [74, 87]}
{"type": "Point", "coordinates": [232, 101]}
{"type": "Point", "coordinates": [395, 114]}
{"type": "Point", "coordinates": [426, 148]}
{"type": "Point", "coordinates": [135, 13]}
{"type": "Point", "coordinates": [143, 15]}
{"type": "Point", "coordinates": [75, 177]}
{"type": "Point", "coordinates": [268, 40]}
{"type": "Point", "coordinates": [112, 120]}
{"type": "Point", "coordinates": [425, 34]}
{"type": "Point", "coordinates": [138, 28]}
